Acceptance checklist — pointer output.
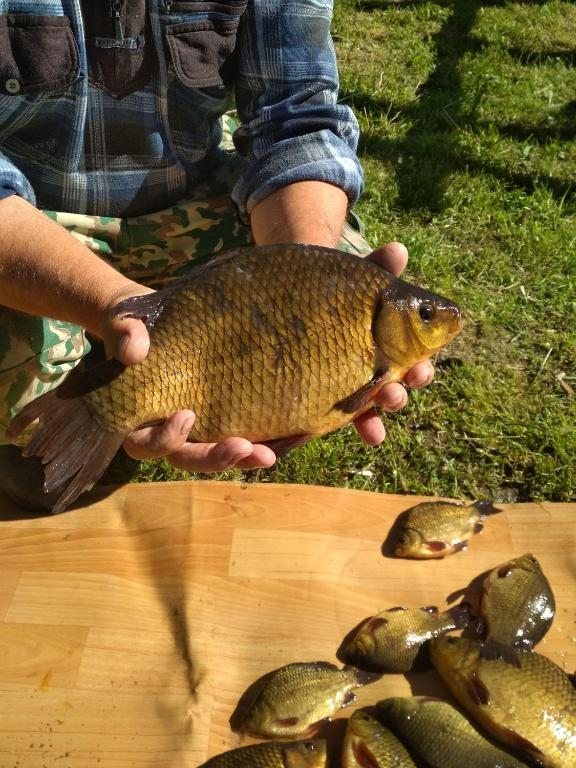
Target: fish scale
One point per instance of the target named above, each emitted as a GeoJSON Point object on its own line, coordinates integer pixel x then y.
{"type": "Point", "coordinates": [276, 344]}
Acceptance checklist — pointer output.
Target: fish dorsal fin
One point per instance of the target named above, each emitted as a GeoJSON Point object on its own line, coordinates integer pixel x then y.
{"type": "Point", "coordinates": [148, 307]}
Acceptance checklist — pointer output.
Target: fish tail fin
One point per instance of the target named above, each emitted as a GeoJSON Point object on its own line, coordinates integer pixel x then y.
{"type": "Point", "coordinates": [74, 448]}
{"type": "Point", "coordinates": [493, 649]}
{"type": "Point", "coordinates": [363, 676]}
{"type": "Point", "coordinates": [461, 615]}
{"type": "Point", "coordinates": [486, 508]}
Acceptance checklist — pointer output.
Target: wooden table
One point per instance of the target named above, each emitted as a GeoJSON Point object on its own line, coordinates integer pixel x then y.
{"type": "Point", "coordinates": [129, 628]}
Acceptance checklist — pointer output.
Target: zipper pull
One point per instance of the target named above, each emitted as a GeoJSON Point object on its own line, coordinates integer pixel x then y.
{"type": "Point", "coordinates": [116, 13]}
{"type": "Point", "coordinates": [167, 5]}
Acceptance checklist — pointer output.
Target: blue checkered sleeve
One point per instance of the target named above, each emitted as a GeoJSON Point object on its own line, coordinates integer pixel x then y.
{"type": "Point", "coordinates": [292, 128]}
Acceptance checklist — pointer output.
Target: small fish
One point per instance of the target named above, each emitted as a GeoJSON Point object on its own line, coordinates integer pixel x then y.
{"type": "Point", "coordinates": [257, 349]}
{"type": "Point", "coordinates": [440, 736]}
{"type": "Point", "coordinates": [369, 744]}
{"type": "Point", "coordinates": [273, 754]}
{"type": "Point", "coordinates": [294, 698]}
{"type": "Point", "coordinates": [529, 706]}
{"type": "Point", "coordinates": [391, 641]}
{"type": "Point", "coordinates": [435, 529]}
{"type": "Point", "coordinates": [517, 605]}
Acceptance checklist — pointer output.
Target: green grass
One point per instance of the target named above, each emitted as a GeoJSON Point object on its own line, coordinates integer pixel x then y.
{"type": "Point", "coordinates": [468, 118]}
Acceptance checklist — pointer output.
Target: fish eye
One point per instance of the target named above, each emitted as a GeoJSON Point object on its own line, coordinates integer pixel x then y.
{"type": "Point", "coordinates": [426, 312]}
{"type": "Point", "coordinates": [310, 746]}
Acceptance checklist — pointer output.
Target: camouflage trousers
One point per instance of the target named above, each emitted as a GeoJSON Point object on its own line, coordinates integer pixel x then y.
{"type": "Point", "coordinates": [36, 353]}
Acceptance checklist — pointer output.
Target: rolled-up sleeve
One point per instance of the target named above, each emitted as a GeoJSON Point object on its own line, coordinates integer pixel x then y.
{"type": "Point", "coordinates": [14, 182]}
{"type": "Point", "coordinates": [292, 127]}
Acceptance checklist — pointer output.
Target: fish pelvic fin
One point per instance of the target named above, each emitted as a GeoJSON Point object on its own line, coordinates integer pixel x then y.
{"type": "Point", "coordinates": [74, 448]}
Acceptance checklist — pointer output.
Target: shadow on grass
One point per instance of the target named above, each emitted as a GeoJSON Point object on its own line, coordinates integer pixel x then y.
{"type": "Point", "coordinates": [432, 151]}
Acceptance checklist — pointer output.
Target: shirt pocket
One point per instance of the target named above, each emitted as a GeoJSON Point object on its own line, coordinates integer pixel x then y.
{"type": "Point", "coordinates": [37, 53]}
{"type": "Point", "coordinates": [201, 38]}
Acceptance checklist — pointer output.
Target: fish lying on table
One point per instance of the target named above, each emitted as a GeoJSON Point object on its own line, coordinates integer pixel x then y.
{"type": "Point", "coordinates": [441, 736]}
{"type": "Point", "coordinates": [273, 754]}
{"type": "Point", "coordinates": [277, 344]}
{"type": "Point", "coordinates": [517, 606]}
{"type": "Point", "coordinates": [529, 705]}
{"type": "Point", "coordinates": [391, 640]}
{"type": "Point", "coordinates": [294, 699]}
{"type": "Point", "coordinates": [434, 529]}
{"type": "Point", "coordinates": [369, 744]}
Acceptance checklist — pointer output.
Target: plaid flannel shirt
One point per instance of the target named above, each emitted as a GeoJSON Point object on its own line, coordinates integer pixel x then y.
{"type": "Point", "coordinates": [85, 129]}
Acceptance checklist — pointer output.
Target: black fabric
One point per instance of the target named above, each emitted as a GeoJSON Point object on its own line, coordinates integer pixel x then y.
{"type": "Point", "coordinates": [201, 50]}
{"type": "Point", "coordinates": [116, 65]}
{"type": "Point", "coordinates": [38, 52]}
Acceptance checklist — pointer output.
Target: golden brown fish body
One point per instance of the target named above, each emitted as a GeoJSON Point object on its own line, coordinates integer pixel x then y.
{"type": "Point", "coordinates": [517, 605]}
{"type": "Point", "coordinates": [273, 754]}
{"type": "Point", "coordinates": [439, 528]}
{"type": "Point", "coordinates": [369, 744]}
{"type": "Point", "coordinates": [529, 705]}
{"type": "Point", "coordinates": [296, 697]}
{"type": "Point", "coordinates": [391, 640]}
{"type": "Point", "coordinates": [440, 736]}
{"type": "Point", "coordinates": [276, 344]}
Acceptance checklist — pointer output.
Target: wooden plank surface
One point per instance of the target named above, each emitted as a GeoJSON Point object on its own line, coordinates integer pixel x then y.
{"type": "Point", "coordinates": [129, 628]}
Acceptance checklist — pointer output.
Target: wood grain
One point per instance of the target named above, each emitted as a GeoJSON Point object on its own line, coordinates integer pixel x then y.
{"type": "Point", "coordinates": [130, 627]}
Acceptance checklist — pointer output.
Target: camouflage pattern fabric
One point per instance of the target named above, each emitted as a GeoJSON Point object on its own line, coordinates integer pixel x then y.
{"type": "Point", "coordinates": [36, 353]}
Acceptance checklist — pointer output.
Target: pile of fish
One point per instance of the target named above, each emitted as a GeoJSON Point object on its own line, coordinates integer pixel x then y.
{"type": "Point", "coordinates": [512, 707]}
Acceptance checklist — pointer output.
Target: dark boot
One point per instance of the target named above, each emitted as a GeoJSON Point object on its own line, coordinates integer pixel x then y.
{"type": "Point", "coordinates": [22, 478]}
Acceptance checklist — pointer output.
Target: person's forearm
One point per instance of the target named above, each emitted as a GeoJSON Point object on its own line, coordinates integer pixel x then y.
{"type": "Point", "coordinates": [304, 212]}
{"type": "Point", "coordinates": [45, 271]}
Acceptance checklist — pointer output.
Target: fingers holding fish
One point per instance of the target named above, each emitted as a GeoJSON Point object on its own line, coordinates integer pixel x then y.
{"type": "Point", "coordinates": [235, 452]}
{"type": "Point", "coordinates": [393, 256]}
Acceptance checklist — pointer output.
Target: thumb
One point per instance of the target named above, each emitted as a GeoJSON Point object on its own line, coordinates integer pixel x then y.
{"type": "Point", "coordinates": [126, 340]}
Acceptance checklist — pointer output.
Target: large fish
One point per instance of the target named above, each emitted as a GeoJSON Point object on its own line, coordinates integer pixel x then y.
{"type": "Point", "coordinates": [273, 754]}
{"type": "Point", "coordinates": [277, 344]}
{"type": "Point", "coordinates": [529, 705]}
{"type": "Point", "coordinates": [440, 736]}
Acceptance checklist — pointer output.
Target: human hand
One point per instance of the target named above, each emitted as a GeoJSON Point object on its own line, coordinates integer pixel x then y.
{"type": "Point", "coordinates": [127, 340]}
{"type": "Point", "coordinates": [393, 396]}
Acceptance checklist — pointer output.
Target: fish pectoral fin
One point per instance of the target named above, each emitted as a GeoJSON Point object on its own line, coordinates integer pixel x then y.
{"type": "Point", "coordinates": [436, 546]}
{"type": "Point", "coordinates": [363, 396]}
{"type": "Point", "coordinates": [287, 722]}
{"type": "Point", "coordinates": [282, 445]}
{"type": "Point", "coordinates": [477, 691]}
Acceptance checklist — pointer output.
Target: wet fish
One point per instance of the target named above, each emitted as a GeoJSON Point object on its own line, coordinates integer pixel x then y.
{"type": "Point", "coordinates": [440, 735]}
{"type": "Point", "coordinates": [273, 754]}
{"type": "Point", "coordinates": [438, 528]}
{"type": "Point", "coordinates": [369, 744]}
{"type": "Point", "coordinates": [277, 344]}
{"type": "Point", "coordinates": [295, 698]}
{"type": "Point", "coordinates": [529, 706]}
{"type": "Point", "coordinates": [517, 605]}
{"type": "Point", "coordinates": [391, 640]}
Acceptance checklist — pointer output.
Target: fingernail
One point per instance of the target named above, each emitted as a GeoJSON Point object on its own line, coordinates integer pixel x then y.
{"type": "Point", "coordinates": [187, 426]}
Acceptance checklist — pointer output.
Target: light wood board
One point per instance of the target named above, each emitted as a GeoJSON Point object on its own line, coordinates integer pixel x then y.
{"type": "Point", "coordinates": [130, 627]}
